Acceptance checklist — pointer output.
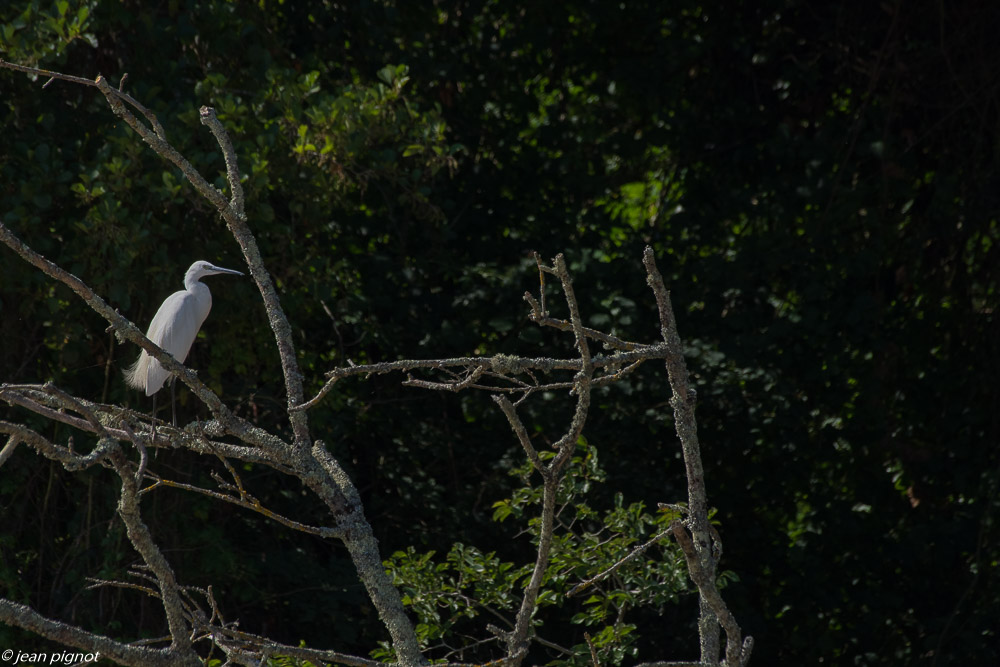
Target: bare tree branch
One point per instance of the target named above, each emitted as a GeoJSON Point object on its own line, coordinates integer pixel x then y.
{"type": "Point", "coordinates": [517, 640]}
{"type": "Point", "coordinates": [31, 397]}
{"type": "Point", "coordinates": [236, 218]}
{"type": "Point", "coordinates": [26, 618]}
{"type": "Point", "coordinates": [138, 533]}
{"type": "Point", "coordinates": [246, 501]}
{"type": "Point", "coordinates": [698, 548]}
{"type": "Point", "coordinates": [518, 427]}
{"type": "Point", "coordinates": [500, 364]}
{"type": "Point", "coordinates": [632, 555]}
{"type": "Point", "coordinates": [540, 317]}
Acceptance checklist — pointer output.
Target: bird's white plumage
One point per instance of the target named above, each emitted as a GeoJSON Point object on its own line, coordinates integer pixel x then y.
{"type": "Point", "coordinates": [175, 326]}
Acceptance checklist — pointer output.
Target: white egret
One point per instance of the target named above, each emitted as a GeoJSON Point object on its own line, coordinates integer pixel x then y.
{"type": "Point", "coordinates": [174, 328]}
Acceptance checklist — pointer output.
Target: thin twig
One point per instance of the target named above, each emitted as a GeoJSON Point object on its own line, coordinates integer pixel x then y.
{"type": "Point", "coordinates": [246, 501]}
{"type": "Point", "coordinates": [632, 555]}
{"type": "Point", "coordinates": [518, 427]}
{"type": "Point", "coordinates": [542, 310]}
{"type": "Point", "coordinates": [583, 378]}
{"type": "Point", "coordinates": [593, 650]}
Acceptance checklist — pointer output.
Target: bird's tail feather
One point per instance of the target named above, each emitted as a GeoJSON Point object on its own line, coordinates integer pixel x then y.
{"type": "Point", "coordinates": [146, 374]}
{"type": "Point", "coordinates": [135, 375]}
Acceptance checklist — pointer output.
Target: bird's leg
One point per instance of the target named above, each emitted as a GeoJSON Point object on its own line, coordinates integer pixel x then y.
{"type": "Point", "coordinates": [173, 404]}
{"type": "Point", "coordinates": [153, 426]}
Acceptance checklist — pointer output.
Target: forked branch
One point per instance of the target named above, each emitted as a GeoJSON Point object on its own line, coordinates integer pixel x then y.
{"type": "Point", "coordinates": [697, 547]}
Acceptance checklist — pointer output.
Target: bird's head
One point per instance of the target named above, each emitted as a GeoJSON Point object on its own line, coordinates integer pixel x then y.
{"type": "Point", "coordinates": [202, 268]}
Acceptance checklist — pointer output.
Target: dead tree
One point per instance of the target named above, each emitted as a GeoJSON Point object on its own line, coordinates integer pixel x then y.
{"type": "Point", "coordinates": [123, 439]}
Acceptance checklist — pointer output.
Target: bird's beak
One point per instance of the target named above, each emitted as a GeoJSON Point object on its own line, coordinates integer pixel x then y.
{"type": "Point", "coordinates": [219, 269]}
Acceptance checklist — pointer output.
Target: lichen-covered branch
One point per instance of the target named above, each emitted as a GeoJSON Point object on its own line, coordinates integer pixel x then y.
{"type": "Point", "coordinates": [26, 618]}
{"type": "Point", "coordinates": [500, 365]}
{"type": "Point", "coordinates": [236, 219]}
{"type": "Point", "coordinates": [517, 640]}
{"type": "Point", "coordinates": [142, 540]}
{"type": "Point", "coordinates": [552, 474]}
{"type": "Point", "coordinates": [517, 426]}
{"type": "Point", "coordinates": [698, 547]}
